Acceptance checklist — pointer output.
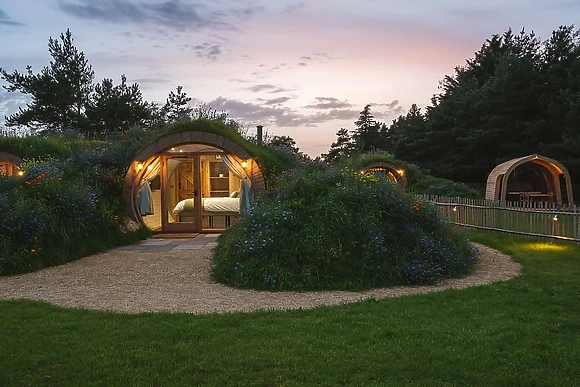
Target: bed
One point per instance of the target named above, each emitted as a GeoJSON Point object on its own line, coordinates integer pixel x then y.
{"type": "Point", "coordinates": [210, 207]}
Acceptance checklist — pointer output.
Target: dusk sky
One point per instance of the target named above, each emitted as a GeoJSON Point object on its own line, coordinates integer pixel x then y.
{"type": "Point", "coordinates": [300, 68]}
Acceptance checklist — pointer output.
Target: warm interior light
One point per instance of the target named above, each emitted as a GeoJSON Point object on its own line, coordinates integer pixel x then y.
{"type": "Point", "coordinates": [244, 164]}
{"type": "Point", "coordinates": [149, 167]}
{"type": "Point", "coordinates": [139, 166]}
{"type": "Point", "coordinates": [181, 150]}
{"type": "Point", "coordinates": [401, 172]}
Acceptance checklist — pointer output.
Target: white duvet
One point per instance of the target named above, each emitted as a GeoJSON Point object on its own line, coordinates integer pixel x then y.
{"type": "Point", "coordinates": [210, 205]}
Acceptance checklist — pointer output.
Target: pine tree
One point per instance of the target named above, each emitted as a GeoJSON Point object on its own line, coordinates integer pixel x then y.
{"type": "Point", "coordinates": [342, 147]}
{"type": "Point", "coordinates": [177, 107]}
{"type": "Point", "coordinates": [366, 137]}
{"type": "Point", "coordinates": [116, 108]}
{"type": "Point", "coordinates": [60, 92]}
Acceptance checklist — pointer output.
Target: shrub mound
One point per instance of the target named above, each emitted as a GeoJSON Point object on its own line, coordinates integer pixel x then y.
{"type": "Point", "coordinates": [339, 229]}
{"type": "Point", "coordinates": [62, 210]}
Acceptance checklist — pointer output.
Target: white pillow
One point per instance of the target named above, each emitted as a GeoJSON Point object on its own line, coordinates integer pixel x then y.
{"type": "Point", "coordinates": [234, 194]}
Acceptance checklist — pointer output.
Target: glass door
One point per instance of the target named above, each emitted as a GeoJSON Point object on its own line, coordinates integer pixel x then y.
{"type": "Point", "coordinates": [181, 194]}
{"type": "Point", "coordinates": [220, 194]}
{"type": "Point", "coordinates": [199, 192]}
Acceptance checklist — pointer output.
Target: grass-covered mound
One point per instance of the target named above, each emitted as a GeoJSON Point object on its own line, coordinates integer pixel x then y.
{"type": "Point", "coordinates": [339, 229]}
{"type": "Point", "coordinates": [419, 181]}
{"type": "Point", "coordinates": [64, 208]}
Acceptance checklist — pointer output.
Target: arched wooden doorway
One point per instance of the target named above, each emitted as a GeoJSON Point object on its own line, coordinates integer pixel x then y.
{"type": "Point", "coordinates": [539, 180]}
{"type": "Point", "coordinates": [389, 171]}
{"type": "Point", "coordinates": [191, 182]}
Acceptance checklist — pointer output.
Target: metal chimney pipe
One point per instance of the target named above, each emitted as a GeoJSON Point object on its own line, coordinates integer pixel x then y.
{"type": "Point", "coordinates": [259, 134]}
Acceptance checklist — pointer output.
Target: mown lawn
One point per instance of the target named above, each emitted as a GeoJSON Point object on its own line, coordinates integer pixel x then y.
{"type": "Point", "coordinates": [523, 332]}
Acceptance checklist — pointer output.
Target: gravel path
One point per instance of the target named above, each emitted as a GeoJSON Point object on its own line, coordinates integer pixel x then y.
{"type": "Point", "coordinates": [179, 281]}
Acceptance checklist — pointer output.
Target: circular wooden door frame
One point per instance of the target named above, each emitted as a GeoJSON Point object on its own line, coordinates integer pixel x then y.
{"type": "Point", "coordinates": [134, 174]}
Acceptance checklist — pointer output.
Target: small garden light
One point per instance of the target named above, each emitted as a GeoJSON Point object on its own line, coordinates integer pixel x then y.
{"type": "Point", "coordinates": [555, 218]}
{"type": "Point", "coordinates": [455, 209]}
{"type": "Point", "coordinates": [20, 173]}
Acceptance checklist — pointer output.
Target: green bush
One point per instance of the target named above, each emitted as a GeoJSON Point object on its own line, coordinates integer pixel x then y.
{"type": "Point", "coordinates": [51, 216]}
{"type": "Point", "coordinates": [339, 229]}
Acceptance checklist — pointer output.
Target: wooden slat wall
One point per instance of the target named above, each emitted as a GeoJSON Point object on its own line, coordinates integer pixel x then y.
{"type": "Point", "coordinates": [542, 219]}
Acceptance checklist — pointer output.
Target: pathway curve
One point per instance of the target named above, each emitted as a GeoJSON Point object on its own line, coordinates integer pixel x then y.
{"type": "Point", "coordinates": [173, 275]}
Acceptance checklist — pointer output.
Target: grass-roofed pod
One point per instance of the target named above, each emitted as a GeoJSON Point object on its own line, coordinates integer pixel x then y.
{"type": "Point", "coordinates": [9, 164]}
{"type": "Point", "coordinates": [339, 229]}
{"type": "Point", "coordinates": [407, 176]}
{"type": "Point", "coordinates": [529, 178]}
{"type": "Point", "coordinates": [197, 177]}
{"type": "Point", "coordinates": [393, 173]}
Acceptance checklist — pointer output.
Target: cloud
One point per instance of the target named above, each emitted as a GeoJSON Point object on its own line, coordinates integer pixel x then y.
{"type": "Point", "coordinates": [173, 14]}
{"type": "Point", "coordinates": [319, 57]}
{"type": "Point", "coordinates": [205, 50]}
{"type": "Point", "coordinates": [11, 101]}
{"type": "Point", "coordinates": [276, 101]}
{"type": "Point", "coordinates": [247, 12]}
{"type": "Point", "coordinates": [269, 88]}
{"type": "Point", "coordinates": [276, 115]}
{"type": "Point", "coordinates": [328, 103]}
{"type": "Point", "coordinates": [295, 7]}
{"type": "Point", "coordinates": [390, 110]}
{"type": "Point", "coordinates": [6, 21]}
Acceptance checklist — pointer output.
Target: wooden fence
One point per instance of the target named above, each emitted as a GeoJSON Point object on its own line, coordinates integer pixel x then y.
{"type": "Point", "coordinates": [541, 219]}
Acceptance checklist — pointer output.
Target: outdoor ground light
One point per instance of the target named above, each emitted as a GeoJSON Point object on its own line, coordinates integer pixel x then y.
{"type": "Point", "coordinates": [20, 173]}
{"type": "Point", "coordinates": [555, 218]}
{"type": "Point", "coordinates": [455, 209]}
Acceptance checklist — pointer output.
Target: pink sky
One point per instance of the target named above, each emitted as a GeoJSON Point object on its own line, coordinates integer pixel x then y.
{"type": "Point", "coordinates": [300, 68]}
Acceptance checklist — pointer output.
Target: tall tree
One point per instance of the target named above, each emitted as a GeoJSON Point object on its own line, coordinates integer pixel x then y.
{"type": "Point", "coordinates": [403, 138]}
{"type": "Point", "coordinates": [366, 136]}
{"type": "Point", "coordinates": [60, 92]}
{"type": "Point", "coordinates": [177, 106]}
{"type": "Point", "coordinates": [516, 97]}
{"type": "Point", "coordinates": [116, 108]}
{"type": "Point", "coordinates": [342, 147]}
{"type": "Point", "coordinates": [285, 143]}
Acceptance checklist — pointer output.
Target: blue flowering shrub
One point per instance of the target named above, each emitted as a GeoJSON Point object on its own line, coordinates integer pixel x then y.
{"type": "Point", "coordinates": [339, 229]}
{"type": "Point", "coordinates": [59, 211]}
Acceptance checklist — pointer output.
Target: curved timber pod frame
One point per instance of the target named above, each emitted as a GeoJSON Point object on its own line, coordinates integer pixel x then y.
{"type": "Point", "coordinates": [550, 170]}
{"type": "Point", "coordinates": [147, 156]}
{"type": "Point", "coordinates": [9, 162]}
{"type": "Point", "coordinates": [394, 173]}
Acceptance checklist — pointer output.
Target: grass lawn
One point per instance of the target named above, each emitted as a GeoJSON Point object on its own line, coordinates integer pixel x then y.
{"type": "Point", "coordinates": [523, 332]}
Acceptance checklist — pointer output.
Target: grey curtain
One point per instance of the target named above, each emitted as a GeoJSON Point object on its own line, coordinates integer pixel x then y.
{"type": "Point", "coordinates": [246, 195]}
{"type": "Point", "coordinates": [144, 199]}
